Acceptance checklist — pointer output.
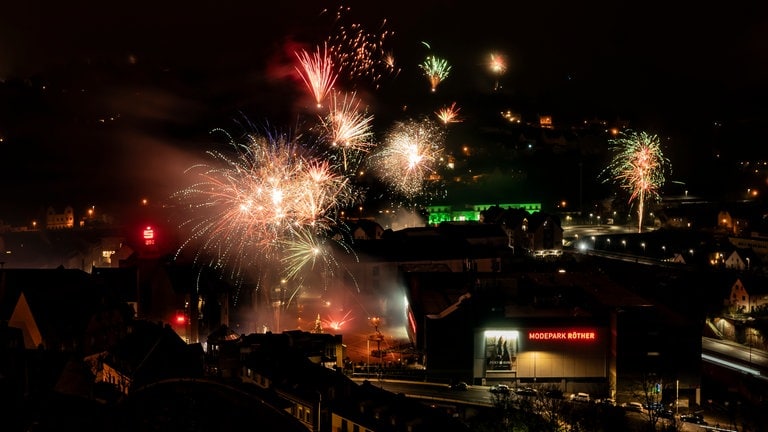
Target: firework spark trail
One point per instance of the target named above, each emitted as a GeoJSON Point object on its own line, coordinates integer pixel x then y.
{"type": "Point", "coordinates": [409, 156]}
{"type": "Point", "coordinates": [303, 248]}
{"type": "Point", "coordinates": [638, 166]}
{"type": "Point", "coordinates": [498, 65]}
{"type": "Point", "coordinates": [359, 53]}
{"type": "Point", "coordinates": [436, 70]}
{"type": "Point", "coordinates": [449, 114]}
{"type": "Point", "coordinates": [349, 128]}
{"type": "Point", "coordinates": [317, 72]}
{"type": "Point", "coordinates": [337, 323]}
{"type": "Point", "coordinates": [247, 206]}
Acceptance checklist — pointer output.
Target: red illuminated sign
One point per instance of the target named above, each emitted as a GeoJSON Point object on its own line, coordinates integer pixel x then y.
{"type": "Point", "coordinates": [149, 236]}
{"type": "Point", "coordinates": [181, 318]}
{"type": "Point", "coordinates": [562, 335]}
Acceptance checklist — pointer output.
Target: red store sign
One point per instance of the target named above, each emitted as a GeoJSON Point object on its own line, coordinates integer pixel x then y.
{"type": "Point", "coordinates": [562, 335]}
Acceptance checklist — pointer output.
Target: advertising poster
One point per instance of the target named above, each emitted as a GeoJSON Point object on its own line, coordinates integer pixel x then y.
{"type": "Point", "coordinates": [501, 351]}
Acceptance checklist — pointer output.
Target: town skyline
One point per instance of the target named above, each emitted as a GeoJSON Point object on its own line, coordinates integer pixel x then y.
{"type": "Point", "coordinates": [95, 112]}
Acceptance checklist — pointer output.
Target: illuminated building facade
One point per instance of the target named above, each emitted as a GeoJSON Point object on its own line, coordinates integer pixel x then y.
{"type": "Point", "coordinates": [471, 213]}
{"type": "Point", "coordinates": [578, 332]}
{"type": "Point", "coordinates": [64, 220]}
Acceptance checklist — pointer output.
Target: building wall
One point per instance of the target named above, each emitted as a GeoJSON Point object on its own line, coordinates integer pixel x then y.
{"type": "Point", "coordinates": [60, 220]}
{"type": "Point", "coordinates": [758, 244]}
{"type": "Point", "coordinates": [518, 353]}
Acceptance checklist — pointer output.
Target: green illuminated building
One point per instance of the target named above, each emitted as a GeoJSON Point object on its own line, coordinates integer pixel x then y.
{"type": "Point", "coordinates": [448, 213]}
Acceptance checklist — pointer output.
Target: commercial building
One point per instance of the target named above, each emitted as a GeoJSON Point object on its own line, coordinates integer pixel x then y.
{"type": "Point", "coordinates": [575, 330]}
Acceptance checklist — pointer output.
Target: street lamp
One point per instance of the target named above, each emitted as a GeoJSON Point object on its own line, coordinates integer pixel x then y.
{"type": "Point", "coordinates": [376, 337]}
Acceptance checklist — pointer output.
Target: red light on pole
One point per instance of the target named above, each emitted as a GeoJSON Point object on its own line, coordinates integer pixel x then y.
{"type": "Point", "coordinates": [180, 319]}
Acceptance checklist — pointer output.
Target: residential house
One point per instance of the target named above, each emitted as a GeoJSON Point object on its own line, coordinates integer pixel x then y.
{"type": "Point", "coordinates": [277, 369]}
{"type": "Point", "coordinates": [59, 309]}
{"type": "Point", "coordinates": [365, 229]}
{"type": "Point", "coordinates": [748, 295]}
{"type": "Point", "coordinates": [222, 353]}
{"type": "Point", "coordinates": [54, 318]}
{"type": "Point", "coordinates": [149, 352]}
{"type": "Point", "coordinates": [539, 234]}
{"type": "Point", "coordinates": [742, 259]}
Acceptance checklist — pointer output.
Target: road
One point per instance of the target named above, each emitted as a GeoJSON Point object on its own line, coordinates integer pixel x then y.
{"type": "Point", "coordinates": [735, 356]}
{"type": "Point", "coordinates": [443, 395]}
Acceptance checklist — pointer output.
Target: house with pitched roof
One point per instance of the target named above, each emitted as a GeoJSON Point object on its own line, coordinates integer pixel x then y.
{"type": "Point", "coordinates": [59, 309]}
{"type": "Point", "coordinates": [742, 259]}
{"type": "Point", "coordinates": [747, 295]}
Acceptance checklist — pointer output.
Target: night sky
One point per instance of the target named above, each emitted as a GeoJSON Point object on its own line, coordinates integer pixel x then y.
{"type": "Point", "coordinates": [106, 103]}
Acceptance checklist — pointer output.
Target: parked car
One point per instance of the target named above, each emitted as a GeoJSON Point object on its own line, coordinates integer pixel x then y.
{"type": "Point", "coordinates": [461, 385]}
{"type": "Point", "coordinates": [580, 397]}
{"type": "Point", "coordinates": [526, 391]}
{"type": "Point", "coordinates": [655, 406]}
{"type": "Point", "coordinates": [634, 406]}
{"type": "Point", "coordinates": [693, 418]}
{"type": "Point", "coordinates": [500, 389]}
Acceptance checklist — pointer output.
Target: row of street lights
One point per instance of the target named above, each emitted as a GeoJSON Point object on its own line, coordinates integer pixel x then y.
{"type": "Point", "coordinates": [642, 245]}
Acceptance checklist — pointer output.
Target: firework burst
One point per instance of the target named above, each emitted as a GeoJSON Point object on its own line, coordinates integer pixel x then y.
{"type": "Point", "coordinates": [638, 166]}
{"type": "Point", "coordinates": [409, 156]}
{"type": "Point", "coordinates": [449, 114]}
{"type": "Point", "coordinates": [317, 72]}
{"type": "Point", "coordinates": [497, 64]}
{"type": "Point", "coordinates": [305, 248]}
{"type": "Point", "coordinates": [250, 203]}
{"type": "Point", "coordinates": [436, 70]}
{"type": "Point", "coordinates": [348, 128]}
{"type": "Point", "coordinates": [337, 323]}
